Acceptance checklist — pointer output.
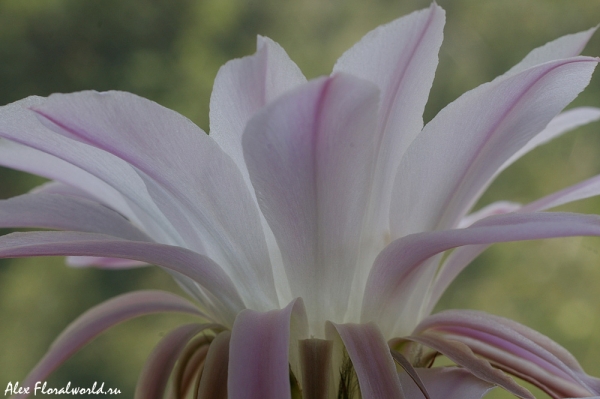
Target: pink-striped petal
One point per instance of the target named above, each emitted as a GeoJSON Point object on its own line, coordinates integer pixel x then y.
{"type": "Point", "coordinates": [400, 58]}
{"type": "Point", "coordinates": [371, 359]}
{"type": "Point", "coordinates": [195, 184]}
{"type": "Point", "coordinates": [99, 319]}
{"type": "Point", "coordinates": [516, 349]}
{"type": "Point", "coordinates": [196, 267]}
{"type": "Point", "coordinates": [244, 86]}
{"type": "Point", "coordinates": [157, 370]}
{"type": "Point", "coordinates": [564, 47]}
{"type": "Point", "coordinates": [459, 151]}
{"type": "Point", "coordinates": [241, 88]}
{"type": "Point", "coordinates": [259, 352]}
{"type": "Point", "coordinates": [495, 208]}
{"type": "Point", "coordinates": [131, 212]}
{"type": "Point", "coordinates": [53, 211]}
{"type": "Point", "coordinates": [585, 189]}
{"type": "Point", "coordinates": [43, 149]}
{"type": "Point", "coordinates": [57, 188]}
{"type": "Point", "coordinates": [446, 383]}
{"type": "Point", "coordinates": [58, 206]}
{"type": "Point", "coordinates": [461, 257]}
{"type": "Point", "coordinates": [400, 280]}
{"type": "Point", "coordinates": [562, 123]}
{"type": "Point", "coordinates": [30, 160]}
{"type": "Point", "coordinates": [310, 162]}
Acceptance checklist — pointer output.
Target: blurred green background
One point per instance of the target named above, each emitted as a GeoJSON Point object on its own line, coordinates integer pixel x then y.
{"type": "Point", "coordinates": [170, 51]}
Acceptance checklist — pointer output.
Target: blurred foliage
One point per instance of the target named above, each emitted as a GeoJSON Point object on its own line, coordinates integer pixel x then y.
{"type": "Point", "coordinates": [170, 52]}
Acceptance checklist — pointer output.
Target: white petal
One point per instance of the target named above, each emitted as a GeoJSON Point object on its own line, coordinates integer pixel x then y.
{"type": "Point", "coordinates": [193, 182]}
{"type": "Point", "coordinates": [241, 88]}
{"type": "Point", "coordinates": [244, 86]}
{"type": "Point", "coordinates": [446, 167]}
{"type": "Point", "coordinates": [310, 158]}
{"type": "Point", "coordinates": [19, 124]}
{"type": "Point", "coordinates": [400, 58]}
{"type": "Point", "coordinates": [563, 47]}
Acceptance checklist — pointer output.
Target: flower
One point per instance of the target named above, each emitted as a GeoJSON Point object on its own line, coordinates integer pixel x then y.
{"type": "Point", "coordinates": [309, 225]}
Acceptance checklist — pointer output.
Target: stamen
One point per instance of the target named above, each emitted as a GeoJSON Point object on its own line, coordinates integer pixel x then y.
{"type": "Point", "coordinates": [348, 387]}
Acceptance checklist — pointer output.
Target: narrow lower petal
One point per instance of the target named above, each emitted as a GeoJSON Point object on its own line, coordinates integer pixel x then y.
{"type": "Point", "coordinates": [194, 266]}
{"type": "Point", "coordinates": [411, 372]}
{"type": "Point", "coordinates": [585, 189]}
{"type": "Point", "coordinates": [371, 359]}
{"type": "Point", "coordinates": [213, 383]}
{"type": "Point", "coordinates": [53, 211]}
{"type": "Point", "coordinates": [515, 349]}
{"type": "Point", "coordinates": [31, 160]}
{"type": "Point", "coordinates": [463, 356]}
{"type": "Point", "coordinates": [259, 360]}
{"type": "Point", "coordinates": [461, 257]}
{"type": "Point", "coordinates": [131, 211]}
{"type": "Point", "coordinates": [395, 279]}
{"type": "Point", "coordinates": [310, 162]}
{"type": "Point", "coordinates": [190, 365]}
{"type": "Point", "coordinates": [460, 150]}
{"type": "Point", "coordinates": [561, 124]}
{"type": "Point", "coordinates": [103, 262]}
{"type": "Point", "coordinates": [495, 208]}
{"type": "Point", "coordinates": [155, 375]}
{"type": "Point", "coordinates": [446, 383]}
{"type": "Point", "coordinates": [99, 319]}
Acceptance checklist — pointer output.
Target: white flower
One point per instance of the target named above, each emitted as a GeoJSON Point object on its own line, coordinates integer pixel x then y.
{"type": "Point", "coordinates": [309, 225]}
